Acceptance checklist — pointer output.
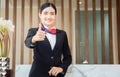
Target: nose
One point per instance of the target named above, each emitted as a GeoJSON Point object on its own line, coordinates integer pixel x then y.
{"type": "Point", "coordinates": [48, 16]}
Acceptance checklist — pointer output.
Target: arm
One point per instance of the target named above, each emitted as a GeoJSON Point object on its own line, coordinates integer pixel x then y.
{"type": "Point", "coordinates": [28, 40]}
{"type": "Point", "coordinates": [34, 35]}
{"type": "Point", "coordinates": [67, 58]}
{"type": "Point", "coordinates": [66, 61]}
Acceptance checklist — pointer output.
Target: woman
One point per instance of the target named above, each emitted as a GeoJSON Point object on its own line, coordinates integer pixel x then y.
{"type": "Point", "coordinates": [50, 46]}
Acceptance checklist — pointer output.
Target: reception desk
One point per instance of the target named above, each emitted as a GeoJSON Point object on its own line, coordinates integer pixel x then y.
{"type": "Point", "coordinates": [79, 70]}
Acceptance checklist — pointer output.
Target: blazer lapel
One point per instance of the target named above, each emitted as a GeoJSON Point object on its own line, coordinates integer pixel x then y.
{"type": "Point", "coordinates": [48, 43]}
{"type": "Point", "coordinates": [58, 36]}
{"type": "Point", "coordinates": [57, 40]}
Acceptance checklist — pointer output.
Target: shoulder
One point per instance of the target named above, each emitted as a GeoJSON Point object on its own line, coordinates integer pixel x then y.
{"type": "Point", "coordinates": [33, 29]}
{"type": "Point", "coordinates": [61, 31]}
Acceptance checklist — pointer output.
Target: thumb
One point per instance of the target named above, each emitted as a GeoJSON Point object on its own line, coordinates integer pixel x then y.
{"type": "Point", "coordinates": [40, 28]}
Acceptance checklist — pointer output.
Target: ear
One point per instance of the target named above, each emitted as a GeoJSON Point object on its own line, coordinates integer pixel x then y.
{"type": "Point", "coordinates": [39, 15]}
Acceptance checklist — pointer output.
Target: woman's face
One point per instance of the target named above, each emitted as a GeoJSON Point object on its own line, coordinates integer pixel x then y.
{"type": "Point", "coordinates": [48, 17]}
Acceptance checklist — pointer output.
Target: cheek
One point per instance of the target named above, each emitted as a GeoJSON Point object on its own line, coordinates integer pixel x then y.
{"type": "Point", "coordinates": [42, 17]}
{"type": "Point", "coordinates": [53, 17]}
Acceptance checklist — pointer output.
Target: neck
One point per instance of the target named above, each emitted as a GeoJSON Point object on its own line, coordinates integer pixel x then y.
{"type": "Point", "coordinates": [49, 26]}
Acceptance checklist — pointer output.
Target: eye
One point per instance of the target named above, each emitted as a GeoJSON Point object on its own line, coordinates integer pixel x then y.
{"type": "Point", "coordinates": [45, 13]}
{"type": "Point", "coordinates": [52, 13]}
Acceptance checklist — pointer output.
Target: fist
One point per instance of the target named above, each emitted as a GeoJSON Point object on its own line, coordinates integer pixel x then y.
{"type": "Point", "coordinates": [39, 36]}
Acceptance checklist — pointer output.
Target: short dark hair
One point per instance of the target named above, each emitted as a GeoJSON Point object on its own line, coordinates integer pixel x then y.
{"type": "Point", "coordinates": [48, 4]}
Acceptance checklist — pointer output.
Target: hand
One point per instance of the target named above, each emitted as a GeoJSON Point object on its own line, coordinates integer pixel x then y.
{"type": "Point", "coordinates": [39, 36]}
{"type": "Point", "coordinates": [55, 71]}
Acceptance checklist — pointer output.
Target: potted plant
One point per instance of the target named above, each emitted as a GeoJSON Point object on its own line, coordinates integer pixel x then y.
{"type": "Point", "coordinates": [5, 27]}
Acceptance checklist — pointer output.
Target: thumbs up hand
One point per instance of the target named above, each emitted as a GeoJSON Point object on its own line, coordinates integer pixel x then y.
{"type": "Point", "coordinates": [39, 36]}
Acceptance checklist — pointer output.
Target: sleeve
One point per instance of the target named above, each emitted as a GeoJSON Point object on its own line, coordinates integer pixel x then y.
{"type": "Point", "coordinates": [67, 58]}
{"type": "Point", "coordinates": [28, 43]}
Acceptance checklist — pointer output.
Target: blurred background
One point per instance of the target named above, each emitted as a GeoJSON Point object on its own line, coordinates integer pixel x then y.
{"type": "Point", "coordinates": [92, 27]}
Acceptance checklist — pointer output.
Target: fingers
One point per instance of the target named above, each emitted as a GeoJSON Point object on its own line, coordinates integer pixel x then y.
{"type": "Point", "coordinates": [39, 37]}
{"type": "Point", "coordinates": [54, 71]}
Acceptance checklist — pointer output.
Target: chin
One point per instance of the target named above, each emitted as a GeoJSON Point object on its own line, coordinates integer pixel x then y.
{"type": "Point", "coordinates": [48, 24]}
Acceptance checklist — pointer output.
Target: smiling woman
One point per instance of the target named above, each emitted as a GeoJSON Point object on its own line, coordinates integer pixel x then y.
{"type": "Point", "coordinates": [52, 54]}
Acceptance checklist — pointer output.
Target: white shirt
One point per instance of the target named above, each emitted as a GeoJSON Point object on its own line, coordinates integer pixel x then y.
{"type": "Point", "coordinates": [51, 38]}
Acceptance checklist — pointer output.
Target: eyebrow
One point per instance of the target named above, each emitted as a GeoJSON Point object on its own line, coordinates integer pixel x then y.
{"type": "Point", "coordinates": [47, 12]}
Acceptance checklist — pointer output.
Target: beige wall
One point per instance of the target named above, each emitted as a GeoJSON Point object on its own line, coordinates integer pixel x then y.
{"type": "Point", "coordinates": [35, 24]}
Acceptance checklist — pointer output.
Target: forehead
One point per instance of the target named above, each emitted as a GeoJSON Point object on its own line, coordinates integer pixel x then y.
{"type": "Point", "coordinates": [48, 9]}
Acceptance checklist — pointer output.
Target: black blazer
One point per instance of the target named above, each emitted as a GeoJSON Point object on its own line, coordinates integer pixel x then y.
{"type": "Point", "coordinates": [45, 58]}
